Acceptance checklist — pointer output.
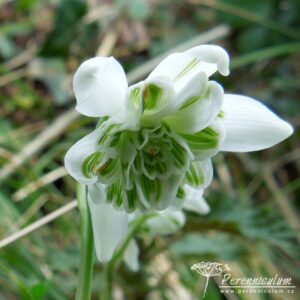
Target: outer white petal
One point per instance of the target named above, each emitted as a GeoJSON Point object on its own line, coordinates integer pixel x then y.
{"type": "Point", "coordinates": [131, 256]}
{"type": "Point", "coordinates": [97, 193]}
{"type": "Point", "coordinates": [201, 113]}
{"type": "Point", "coordinates": [100, 86]}
{"type": "Point", "coordinates": [78, 152]}
{"type": "Point", "coordinates": [195, 201]}
{"type": "Point", "coordinates": [250, 125]}
{"type": "Point", "coordinates": [109, 225]}
{"type": "Point", "coordinates": [215, 57]}
{"type": "Point", "coordinates": [181, 67]}
{"type": "Point", "coordinates": [171, 66]}
{"type": "Point", "coordinates": [167, 222]}
{"type": "Point", "coordinates": [207, 168]}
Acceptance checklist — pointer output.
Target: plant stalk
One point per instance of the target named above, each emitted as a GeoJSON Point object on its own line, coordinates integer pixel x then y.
{"type": "Point", "coordinates": [86, 248]}
{"type": "Point", "coordinates": [119, 253]}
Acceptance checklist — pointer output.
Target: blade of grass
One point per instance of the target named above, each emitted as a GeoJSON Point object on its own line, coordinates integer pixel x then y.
{"type": "Point", "coordinates": [35, 185]}
{"type": "Point", "coordinates": [283, 202]}
{"type": "Point", "coordinates": [36, 225]}
{"type": "Point", "coordinates": [266, 53]}
{"type": "Point", "coordinates": [252, 17]}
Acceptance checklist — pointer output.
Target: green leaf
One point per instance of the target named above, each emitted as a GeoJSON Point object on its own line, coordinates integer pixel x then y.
{"type": "Point", "coordinates": [7, 47]}
{"type": "Point", "coordinates": [39, 290]}
{"type": "Point", "coordinates": [67, 27]}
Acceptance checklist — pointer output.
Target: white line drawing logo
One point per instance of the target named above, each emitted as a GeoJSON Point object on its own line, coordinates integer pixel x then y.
{"type": "Point", "coordinates": [209, 269]}
{"type": "Point", "coordinates": [238, 285]}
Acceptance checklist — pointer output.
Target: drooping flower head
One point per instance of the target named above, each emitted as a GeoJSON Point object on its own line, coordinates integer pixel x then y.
{"type": "Point", "coordinates": [152, 147]}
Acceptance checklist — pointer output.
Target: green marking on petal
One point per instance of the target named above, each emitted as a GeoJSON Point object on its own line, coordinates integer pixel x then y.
{"type": "Point", "coordinates": [202, 140]}
{"type": "Point", "coordinates": [189, 102]}
{"type": "Point", "coordinates": [90, 163]}
{"type": "Point", "coordinates": [101, 121]}
{"type": "Point", "coordinates": [195, 176]}
{"type": "Point", "coordinates": [157, 190]}
{"type": "Point", "coordinates": [131, 199]}
{"type": "Point", "coordinates": [151, 189]}
{"type": "Point", "coordinates": [189, 67]}
{"type": "Point", "coordinates": [146, 187]}
{"type": "Point", "coordinates": [134, 96]}
{"type": "Point", "coordinates": [118, 191]}
{"type": "Point", "coordinates": [152, 95]}
{"type": "Point", "coordinates": [108, 167]}
{"type": "Point", "coordinates": [110, 171]}
{"type": "Point", "coordinates": [115, 193]}
{"type": "Point", "coordinates": [162, 168]}
{"type": "Point", "coordinates": [180, 193]}
{"type": "Point", "coordinates": [107, 133]}
{"type": "Point", "coordinates": [103, 139]}
{"type": "Point", "coordinates": [115, 140]}
{"type": "Point", "coordinates": [178, 154]}
{"type": "Point", "coordinates": [221, 114]}
{"type": "Point", "coordinates": [110, 193]}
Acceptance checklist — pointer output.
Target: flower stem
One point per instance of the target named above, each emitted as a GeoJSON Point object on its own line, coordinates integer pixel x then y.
{"type": "Point", "coordinates": [87, 246]}
{"type": "Point", "coordinates": [119, 253]}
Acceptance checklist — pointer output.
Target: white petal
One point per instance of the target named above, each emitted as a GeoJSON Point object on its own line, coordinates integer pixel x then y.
{"type": "Point", "coordinates": [181, 67]}
{"type": "Point", "coordinates": [97, 193]}
{"type": "Point", "coordinates": [100, 87]}
{"type": "Point", "coordinates": [195, 87]}
{"type": "Point", "coordinates": [109, 225]}
{"type": "Point", "coordinates": [167, 222]}
{"type": "Point", "coordinates": [215, 57]}
{"type": "Point", "coordinates": [170, 67]}
{"type": "Point", "coordinates": [131, 256]}
{"type": "Point", "coordinates": [250, 125]}
{"type": "Point", "coordinates": [78, 152]}
{"type": "Point", "coordinates": [201, 113]}
{"type": "Point", "coordinates": [207, 168]}
{"type": "Point", "coordinates": [195, 201]}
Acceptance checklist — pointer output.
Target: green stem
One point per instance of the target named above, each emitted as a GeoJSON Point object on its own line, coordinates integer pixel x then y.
{"type": "Point", "coordinates": [87, 246]}
{"type": "Point", "coordinates": [119, 253]}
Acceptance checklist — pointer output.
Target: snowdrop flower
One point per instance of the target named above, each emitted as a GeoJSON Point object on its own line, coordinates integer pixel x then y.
{"type": "Point", "coordinates": [152, 147]}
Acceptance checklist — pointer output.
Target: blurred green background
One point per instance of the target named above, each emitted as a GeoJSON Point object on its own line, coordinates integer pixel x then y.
{"type": "Point", "coordinates": [253, 225]}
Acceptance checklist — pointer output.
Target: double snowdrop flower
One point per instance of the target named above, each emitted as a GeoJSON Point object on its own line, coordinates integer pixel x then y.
{"type": "Point", "coordinates": [152, 147]}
